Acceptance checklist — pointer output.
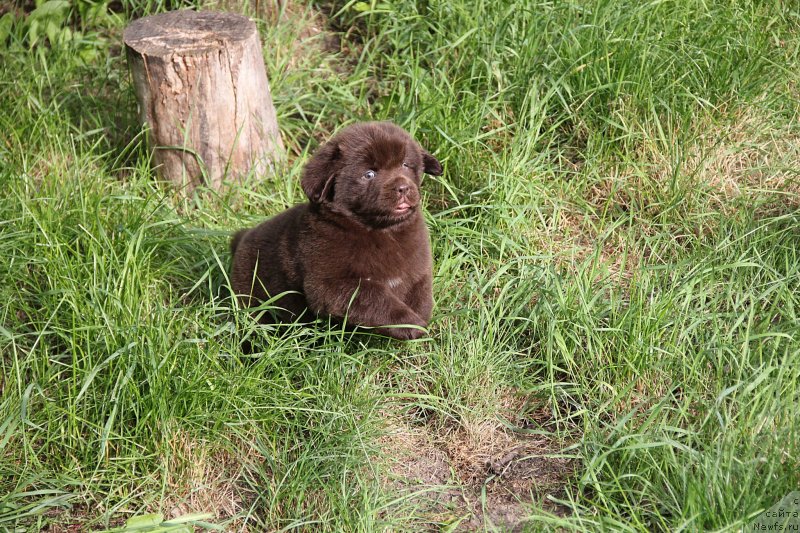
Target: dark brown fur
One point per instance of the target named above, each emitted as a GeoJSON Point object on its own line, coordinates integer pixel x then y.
{"type": "Point", "coordinates": [360, 248]}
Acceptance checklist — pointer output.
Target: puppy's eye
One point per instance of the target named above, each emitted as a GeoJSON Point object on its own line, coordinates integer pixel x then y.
{"type": "Point", "coordinates": [406, 165]}
{"type": "Point", "coordinates": [369, 174]}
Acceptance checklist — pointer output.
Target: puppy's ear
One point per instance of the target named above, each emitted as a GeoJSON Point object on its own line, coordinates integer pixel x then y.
{"type": "Point", "coordinates": [431, 165]}
{"type": "Point", "coordinates": [317, 180]}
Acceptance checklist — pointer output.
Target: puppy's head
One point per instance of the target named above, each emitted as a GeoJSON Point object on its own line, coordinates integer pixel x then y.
{"type": "Point", "coordinates": [370, 171]}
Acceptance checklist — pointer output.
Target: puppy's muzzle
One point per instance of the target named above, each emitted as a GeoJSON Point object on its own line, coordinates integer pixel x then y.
{"type": "Point", "coordinates": [406, 195]}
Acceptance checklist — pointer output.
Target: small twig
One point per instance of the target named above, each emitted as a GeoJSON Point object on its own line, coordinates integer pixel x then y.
{"type": "Point", "coordinates": [497, 466]}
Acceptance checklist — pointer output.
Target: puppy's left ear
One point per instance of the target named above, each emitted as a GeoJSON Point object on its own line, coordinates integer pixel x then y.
{"type": "Point", "coordinates": [431, 165]}
{"type": "Point", "coordinates": [320, 171]}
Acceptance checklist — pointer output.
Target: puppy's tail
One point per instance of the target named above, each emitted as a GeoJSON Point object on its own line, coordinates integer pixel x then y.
{"type": "Point", "coordinates": [237, 238]}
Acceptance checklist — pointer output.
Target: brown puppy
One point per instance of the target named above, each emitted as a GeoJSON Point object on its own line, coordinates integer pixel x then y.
{"type": "Point", "coordinates": [360, 249]}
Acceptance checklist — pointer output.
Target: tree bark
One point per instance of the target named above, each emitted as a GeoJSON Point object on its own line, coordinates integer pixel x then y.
{"type": "Point", "coordinates": [202, 90]}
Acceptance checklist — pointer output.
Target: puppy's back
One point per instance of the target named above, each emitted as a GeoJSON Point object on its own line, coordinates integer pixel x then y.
{"type": "Point", "coordinates": [236, 239]}
{"type": "Point", "coordinates": [266, 260]}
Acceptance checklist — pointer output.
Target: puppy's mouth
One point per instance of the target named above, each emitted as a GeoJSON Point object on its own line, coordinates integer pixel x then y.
{"type": "Point", "coordinates": [403, 207]}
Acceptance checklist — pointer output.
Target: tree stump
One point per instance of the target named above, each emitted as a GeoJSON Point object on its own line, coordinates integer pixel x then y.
{"type": "Point", "coordinates": [202, 89]}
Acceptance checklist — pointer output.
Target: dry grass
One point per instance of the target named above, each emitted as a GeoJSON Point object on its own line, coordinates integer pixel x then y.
{"type": "Point", "coordinates": [477, 474]}
{"type": "Point", "coordinates": [734, 163]}
{"type": "Point", "coordinates": [734, 157]}
{"type": "Point", "coordinates": [574, 239]}
{"type": "Point", "coordinates": [204, 478]}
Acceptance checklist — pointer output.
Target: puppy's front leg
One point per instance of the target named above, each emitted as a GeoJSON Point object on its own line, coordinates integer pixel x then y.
{"type": "Point", "coordinates": [420, 298]}
{"type": "Point", "coordinates": [373, 306]}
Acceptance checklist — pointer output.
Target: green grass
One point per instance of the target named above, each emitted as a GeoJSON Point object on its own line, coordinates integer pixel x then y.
{"type": "Point", "coordinates": [615, 236]}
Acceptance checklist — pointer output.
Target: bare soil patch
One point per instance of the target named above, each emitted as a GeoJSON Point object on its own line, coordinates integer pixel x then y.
{"type": "Point", "coordinates": [475, 476]}
{"type": "Point", "coordinates": [204, 478]}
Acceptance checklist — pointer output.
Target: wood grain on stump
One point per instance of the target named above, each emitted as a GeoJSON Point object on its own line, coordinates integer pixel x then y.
{"type": "Point", "coordinates": [202, 89]}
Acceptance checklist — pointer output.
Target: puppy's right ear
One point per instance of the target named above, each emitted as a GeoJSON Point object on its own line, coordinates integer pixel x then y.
{"type": "Point", "coordinates": [317, 180]}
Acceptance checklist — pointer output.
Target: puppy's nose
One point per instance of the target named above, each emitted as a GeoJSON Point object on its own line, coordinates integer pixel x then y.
{"type": "Point", "coordinates": [402, 189]}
